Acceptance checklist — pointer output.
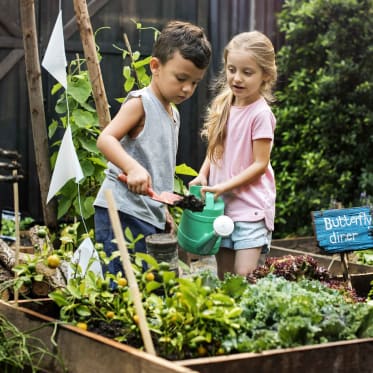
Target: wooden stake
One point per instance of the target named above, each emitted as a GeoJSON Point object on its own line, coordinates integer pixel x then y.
{"type": "Point", "coordinates": [93, 65]}
{"type": "Point", "coordinates": [133, 286]}
{"type": "Point", "coordinates": [346, 273]}
{"type": "Point", "coordinates": [35, 94]}
{"type": "Point", "coordinates": [16, 220]}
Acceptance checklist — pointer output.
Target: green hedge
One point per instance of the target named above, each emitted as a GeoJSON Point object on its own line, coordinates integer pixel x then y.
{"type": "Point", "coordinates": [324, 109]}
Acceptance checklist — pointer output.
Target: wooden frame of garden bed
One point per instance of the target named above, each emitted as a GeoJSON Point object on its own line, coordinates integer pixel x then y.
{"type": "Point", "coordinates": [84, 352]}
{"type": "Point", "coordinates": [338, 357]}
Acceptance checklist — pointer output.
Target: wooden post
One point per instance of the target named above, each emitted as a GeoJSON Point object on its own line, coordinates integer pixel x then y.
{"type": "Point", "coordinates": [90, 53]}
{"type": "Point", "coordinates": [345, 269]}
{"type": "Point", "coordinates": [16, 220]}
{"type": "Point", "coordinates": [35, 93]}
{"type": "Point", "coordinates": [133, 286]}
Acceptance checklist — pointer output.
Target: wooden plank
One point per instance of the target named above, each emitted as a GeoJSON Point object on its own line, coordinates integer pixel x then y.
{"type": "Point", "coordinates": [11, 27]}
{"type": "Point", "coordinates": [10, 42]}
{"type": "Point", "coordinates": [342, 357]}
{"type": "Point", "coordinates": [93, 7]}
{"type": "Point", "coordinates": [343, 230]}
{"type": "Point", "coordinates": [10, 61]}
{"type": "Point", "coordinates": [84, 351]}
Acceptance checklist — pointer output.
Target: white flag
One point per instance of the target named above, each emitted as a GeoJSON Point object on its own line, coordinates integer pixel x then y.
{"type": "Point", "coordinates": [67, 165]}
{"type": "Point", "coordinates": [54, 60]}
{"type": "Point", "coordinates": [87, 258]}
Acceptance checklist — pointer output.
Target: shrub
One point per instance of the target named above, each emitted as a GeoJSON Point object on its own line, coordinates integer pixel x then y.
{"type": "Point", "coordinates": [324, 109]}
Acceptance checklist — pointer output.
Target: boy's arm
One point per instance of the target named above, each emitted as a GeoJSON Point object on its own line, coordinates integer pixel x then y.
{"type": "Point", "coordinates": [128, 121]}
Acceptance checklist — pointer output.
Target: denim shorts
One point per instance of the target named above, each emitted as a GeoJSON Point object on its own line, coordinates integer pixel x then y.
{"type": "Point", "coordinates": [248, 235]}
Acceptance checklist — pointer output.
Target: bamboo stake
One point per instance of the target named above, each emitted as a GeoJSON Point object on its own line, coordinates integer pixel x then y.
{"type": "Point", "coordinates": [16, 220]}
{"type": "Point", "coordinates": [133, 287]}
{"type": "Point", "coordinates": [93, 65]}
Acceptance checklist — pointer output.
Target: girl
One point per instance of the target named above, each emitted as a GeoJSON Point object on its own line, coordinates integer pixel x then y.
{"type": "Point", "coordinates": [239, 128]}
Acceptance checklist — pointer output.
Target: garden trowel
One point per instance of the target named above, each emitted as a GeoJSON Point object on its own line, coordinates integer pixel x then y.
{"type": "Point", "coordinates": [172, 199]}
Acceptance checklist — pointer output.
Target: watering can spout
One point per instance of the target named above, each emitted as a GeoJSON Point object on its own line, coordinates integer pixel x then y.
{"type": "Point", "coordinates": [208, 243]}
{"type": "Point", "coordinates": [222, 227]}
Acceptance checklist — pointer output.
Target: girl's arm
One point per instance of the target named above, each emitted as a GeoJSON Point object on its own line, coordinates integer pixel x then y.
{"type": "Point", "coordinates": [128, 121]}
{"type": "Point", "coordinates": [203, 174]}
{"type": "Point", "coordinates": [261, 158]}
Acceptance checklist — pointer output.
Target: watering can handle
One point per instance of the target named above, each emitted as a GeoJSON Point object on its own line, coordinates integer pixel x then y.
{"type": "Point", "coordinates": [209, 200]}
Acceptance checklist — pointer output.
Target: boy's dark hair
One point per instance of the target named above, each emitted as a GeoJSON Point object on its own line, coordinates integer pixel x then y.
{"type": "Point", "coordinates": [186, 38]}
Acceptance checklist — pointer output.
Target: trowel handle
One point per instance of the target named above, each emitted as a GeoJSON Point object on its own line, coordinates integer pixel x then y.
{"type": "Point", "coordinates": [123, 178]}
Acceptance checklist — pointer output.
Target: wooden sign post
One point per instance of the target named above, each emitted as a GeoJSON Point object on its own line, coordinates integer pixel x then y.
{"type": "Point", "coordinates": [343, 230]}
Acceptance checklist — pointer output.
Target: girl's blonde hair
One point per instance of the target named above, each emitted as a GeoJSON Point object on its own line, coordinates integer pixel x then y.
{"type": "Point", "coordinates": [261, 49]}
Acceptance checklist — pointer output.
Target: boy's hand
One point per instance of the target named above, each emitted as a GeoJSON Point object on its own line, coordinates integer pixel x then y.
{"type": "Point", "coordinates": [139, 180]}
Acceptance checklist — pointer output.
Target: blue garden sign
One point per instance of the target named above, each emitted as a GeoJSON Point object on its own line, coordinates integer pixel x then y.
{"type": "Point", "coordinates": [343, 230]}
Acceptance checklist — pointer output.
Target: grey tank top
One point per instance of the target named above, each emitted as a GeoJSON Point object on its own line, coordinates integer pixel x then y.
{"type": "Point", "coordinates": [155, 149]}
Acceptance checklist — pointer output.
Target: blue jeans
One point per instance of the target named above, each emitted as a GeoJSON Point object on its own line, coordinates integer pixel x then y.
{"type": "Point", "coordinates": [104, 234]}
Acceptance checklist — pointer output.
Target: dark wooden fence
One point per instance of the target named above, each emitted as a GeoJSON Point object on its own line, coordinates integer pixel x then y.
{"type": "Point", "coordinates": [220, 18]}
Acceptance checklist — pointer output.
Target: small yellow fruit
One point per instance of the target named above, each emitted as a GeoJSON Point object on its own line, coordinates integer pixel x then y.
{"type": "Point", "coordinates": [201, 351]}
{"type": "Point", "coordinates": [82, 325]}
{"type": "Point", "coordinates": [53, 261]}
{"type": "Point", "coordinates": [110, 314]}
{"type": "Point", "coordinates": [136, 319]}
{"type": "Point", "coordinates": [220, 351]}
{"type": "Point", "coordinates": [150, 276]}
{"type": "Point", "coordinates": [122, 281]}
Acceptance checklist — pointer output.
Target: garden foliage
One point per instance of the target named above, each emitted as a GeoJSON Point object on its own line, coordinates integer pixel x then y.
{"type": "Point", "coordinates": [324, 109]}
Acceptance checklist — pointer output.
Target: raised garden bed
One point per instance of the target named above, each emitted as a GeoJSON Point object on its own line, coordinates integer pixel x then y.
{"type": "Point", "coordinates": [361, 275]}
{"type": "Point", "coordinates": [83, 351]}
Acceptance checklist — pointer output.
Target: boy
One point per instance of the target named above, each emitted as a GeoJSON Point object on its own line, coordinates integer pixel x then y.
{"type": "Point", "coordinates": [141, 140]}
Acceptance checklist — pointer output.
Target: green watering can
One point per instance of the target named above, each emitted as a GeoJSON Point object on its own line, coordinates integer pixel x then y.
{"type": "Point", "coordinates": [201, 232]}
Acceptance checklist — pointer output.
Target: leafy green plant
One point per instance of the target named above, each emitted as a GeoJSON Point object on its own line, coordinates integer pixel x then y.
{"type": "Point", "coordinates": [136, 73]}
{"type": "Point", "coordinates": [202, 316]}
{"type": "Point", "coordinates": [21, 351]}
{"type": "Point", "coordinates": [79, 108]}
{"type": "Point", "coordinates": [8, 226]}
{"type": "Point", "coordinates": [324, 109]}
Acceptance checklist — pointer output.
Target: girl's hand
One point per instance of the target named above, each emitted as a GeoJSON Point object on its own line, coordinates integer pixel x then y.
{"type": "Point", "coordinates": [199, 180]}
{"type": "Point", "coordinates": [217, 190]}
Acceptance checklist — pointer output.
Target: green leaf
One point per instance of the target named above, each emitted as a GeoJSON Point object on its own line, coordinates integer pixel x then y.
{"type": "Point", "coordinates": [59, 298]}
{"type": "Point", "coordinates": [88, 144]}
{"type": "Point", "coordinates": [83, 310]}
{"type": "Point", "coordinates": [79, 87]}
{"type": "Point", "coordinates": [127, 72]}
{"type": "Point", "coordinates": [143, 62]}
{"type": "Point", "coordinates": [184, 169]}
{"type": "Point", "coordinates": [52, 128]}
{"type": "Point", "coordinates": [73, 290]}
{"type": "Point", "coordinates": [136, 55]}
{"type": "Point", "coordinates": [83, 118]}
{"type": "Point", "coordinates": [152, 285]}
{"type": "Point", "coordinates": [128, 85]}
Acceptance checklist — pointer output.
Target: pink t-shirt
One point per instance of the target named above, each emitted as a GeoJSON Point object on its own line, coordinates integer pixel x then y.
{"type": "Point", "coordinates": [255, 201]}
